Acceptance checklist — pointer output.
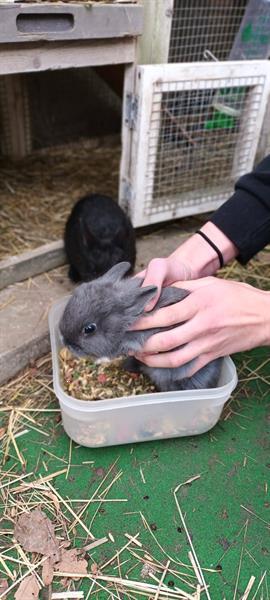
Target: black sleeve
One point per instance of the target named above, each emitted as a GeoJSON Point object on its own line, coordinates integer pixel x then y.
{"type": "Point", "coordinates": [245, 217]}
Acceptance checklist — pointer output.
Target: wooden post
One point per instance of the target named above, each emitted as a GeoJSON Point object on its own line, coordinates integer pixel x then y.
{"type": "Point", "coordinates": [15, 118]}
{"type": "Point", "coordinates": [154, 44]}
{"type": "Point", "coordinates": [127, 132]}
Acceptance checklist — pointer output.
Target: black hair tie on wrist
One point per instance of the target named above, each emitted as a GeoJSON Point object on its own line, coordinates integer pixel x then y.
{"type": "Point", "coordinates": [217, 250]}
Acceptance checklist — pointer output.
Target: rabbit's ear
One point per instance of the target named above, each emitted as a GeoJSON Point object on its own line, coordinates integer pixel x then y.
{"type": "Point", "coordinates": [143, 296]}
{"type": "Point", "coordinates": [117, 272]}
{"type": "Point", "coordinates": [170, 295]}
{"type": "Point", "coordinates": [88, 239]}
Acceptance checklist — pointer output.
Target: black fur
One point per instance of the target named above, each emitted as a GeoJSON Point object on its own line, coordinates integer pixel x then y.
{"type": "Point", "coordinates": [98, 235]}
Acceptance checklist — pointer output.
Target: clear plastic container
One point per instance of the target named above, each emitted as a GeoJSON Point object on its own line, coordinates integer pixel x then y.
{"type": "Point", "coordinates": [139, 418]}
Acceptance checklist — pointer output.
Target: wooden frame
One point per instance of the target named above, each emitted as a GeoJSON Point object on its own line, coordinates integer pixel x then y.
{"type": "Point", "coordinates": [26, 58]}
{"type": "Point", "coordinates": [52, 23]}
{"type": "Point", "coordinates": [171, 77]}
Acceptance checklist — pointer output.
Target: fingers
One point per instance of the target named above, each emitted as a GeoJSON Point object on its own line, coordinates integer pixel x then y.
{"type": "Point", "coordinates": [178, 358]}
{"type": "Point", "coordinates": [155, 275]}
{"type": "Point", "coordinates": [178, 336]}
{"type": "Point", "coordinates": [201, 362]}
{"type": "Point", "coordinates": [141, 274]}
{"type": "Point", "coordinates": [168, 316]}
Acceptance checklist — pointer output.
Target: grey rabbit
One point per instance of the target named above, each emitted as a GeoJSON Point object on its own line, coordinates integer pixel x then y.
{"type": "Point", "coordinates": [97, 321]}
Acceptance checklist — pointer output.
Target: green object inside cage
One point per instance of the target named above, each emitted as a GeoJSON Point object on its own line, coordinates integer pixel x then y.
{"type": "Point", "coordinates": [227, 107]}
{"type": "Point", "coordinates": [220, 121]}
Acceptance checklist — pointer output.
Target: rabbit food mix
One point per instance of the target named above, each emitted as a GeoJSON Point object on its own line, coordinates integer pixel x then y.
{"type": "Point", "coordinates": [85, 379]}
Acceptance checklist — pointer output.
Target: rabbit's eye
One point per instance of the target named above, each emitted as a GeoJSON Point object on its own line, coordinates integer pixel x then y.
{"type": "Point", "coordinates": [89, 328]}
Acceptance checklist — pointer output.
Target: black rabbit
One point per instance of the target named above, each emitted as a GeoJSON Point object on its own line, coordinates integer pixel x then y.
{"type": "Point", "coordinates": [98, 235]}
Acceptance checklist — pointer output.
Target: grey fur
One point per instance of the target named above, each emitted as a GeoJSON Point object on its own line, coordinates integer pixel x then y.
{"type": "Point", "coordinates": [114, 304]}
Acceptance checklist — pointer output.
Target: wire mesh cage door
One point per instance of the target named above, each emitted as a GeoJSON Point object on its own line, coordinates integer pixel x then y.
{"type": "Point", "coordinates": [195, 131]}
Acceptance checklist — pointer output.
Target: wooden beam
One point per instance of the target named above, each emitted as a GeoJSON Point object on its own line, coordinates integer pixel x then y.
{"type": "Point", "coordinates": [27, 58]}
{"type": "Point", "coordinates": [28, 264]}
{"type": "Point", "coordinates": [50, 22]}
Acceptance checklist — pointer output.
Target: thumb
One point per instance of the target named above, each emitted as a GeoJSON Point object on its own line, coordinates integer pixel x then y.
{"type": "Point", "coordinates": [141, 274]}
{"type": "Point", "coordinates": [155, 275]}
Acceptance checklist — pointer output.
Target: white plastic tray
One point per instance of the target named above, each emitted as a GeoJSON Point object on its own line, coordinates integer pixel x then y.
{"type": "Point", "coordinates": [137, 418]}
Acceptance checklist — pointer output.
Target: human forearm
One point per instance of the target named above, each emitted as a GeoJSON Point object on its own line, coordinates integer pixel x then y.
{"type": "Point", "coordinates": [245, 216]}
{"type": "Point", "coordinates": [193, 259]}
{"type": "Point", "coordinates": [198, 255]}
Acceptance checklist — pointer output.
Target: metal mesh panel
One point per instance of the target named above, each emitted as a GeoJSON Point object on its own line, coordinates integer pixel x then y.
{"type": "Point", "coordinates": [198, 25]}
{"type": "Point", "coordinates": [200, 137]}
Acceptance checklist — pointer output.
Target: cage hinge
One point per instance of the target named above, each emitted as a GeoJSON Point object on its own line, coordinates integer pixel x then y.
{"type": "Point", "coordinates": [131, 110]}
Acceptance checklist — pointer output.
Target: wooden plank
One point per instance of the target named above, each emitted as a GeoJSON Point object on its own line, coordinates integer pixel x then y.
{"type": "Point", "coordinates": [154, 43]}
{"type": "Point", "coordinates": [13, 361]}
{"type": "Point", "coordinates": [126, 137]}
{"type": "Point", "coordinates": [28, 264]}
{"type": "Point", "coordinates": [208, 204]}
{"type": "Point", "coordinates": [179, 72]}
{"type": "Point", "coordinates": [49, 22]}
{"type": "Point", "coordinates": [24, 323]}
{"type": "Point", "coordinates": [16, 141]}
{"type": "Point", "coordinates": [26, 58]}
{"type": "Point", "coordinates": [149, 134]}
{"type": "Point", "coordinates": [140, 147]}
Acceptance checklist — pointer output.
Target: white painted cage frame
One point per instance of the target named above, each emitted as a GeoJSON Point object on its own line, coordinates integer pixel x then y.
{"type": "Point", "coordinates": [140, 140]}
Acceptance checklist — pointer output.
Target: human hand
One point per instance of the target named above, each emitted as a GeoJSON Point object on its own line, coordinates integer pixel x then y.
{"type": "Point", "coordinates": [193, 259]}
{"type": "Point", "coordinates": [162, 272]}
{"type": "Point", "coordinates": [219, 317]}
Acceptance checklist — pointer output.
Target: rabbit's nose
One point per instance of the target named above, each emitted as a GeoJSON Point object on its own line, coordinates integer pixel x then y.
{"type": "Point", "coordinates": [76, 350]}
